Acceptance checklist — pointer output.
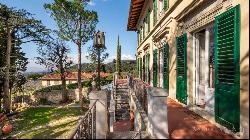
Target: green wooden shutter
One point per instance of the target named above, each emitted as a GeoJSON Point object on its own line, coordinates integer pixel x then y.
{"type": "Point", "coordinates": [155, 68]}
{"type": "Point", "coordinates": [137, 66]}
{"type": "Point", "coordinates": [140, 68]}
{"type": "Point", "coordinates": [140, 34]}
{"type": "Point", "coordinates": [166, 66]}
{"type": "Point", "coordinates": [181, 70]}
{"type": "Point", "coordinates": [148, 69]}
{"type": "Point", "coordinates": [143, 68]}
{"type": "Point", "coordinates": [227, 68]}
{"type": "Point", "coordinates": [147, 65]}
{"type": "Point", "coordinates": [166, 5]}
{"type": "Point", "coordinates": [149, 21]}
{"type": "Point", "coordinates": [143, 28]}
{"type": "Point", "coordinates": [138, 38]}
{"type": "Point", "coordinates": [155, 12]}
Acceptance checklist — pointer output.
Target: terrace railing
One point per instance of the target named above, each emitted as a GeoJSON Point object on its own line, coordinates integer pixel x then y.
{"type": "Point", "coordinates": [140, 89]}
{"type": "Point", "coordinates": [150, 103]}
{"type": "Point", "coordinates": [86, 128]}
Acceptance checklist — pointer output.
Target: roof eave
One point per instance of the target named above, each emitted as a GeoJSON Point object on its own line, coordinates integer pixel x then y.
{"type": "Point", "coordinates": [131, 26]}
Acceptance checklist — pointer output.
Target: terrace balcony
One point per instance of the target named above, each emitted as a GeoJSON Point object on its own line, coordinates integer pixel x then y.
{"type": "Point", "coordinates": [132, 109]}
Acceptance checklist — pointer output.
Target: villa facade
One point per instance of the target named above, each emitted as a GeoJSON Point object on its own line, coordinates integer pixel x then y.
{"type": "Point", "coordinates": [198, 50]}
{"type": "Point", "coordinates": [71, 77]}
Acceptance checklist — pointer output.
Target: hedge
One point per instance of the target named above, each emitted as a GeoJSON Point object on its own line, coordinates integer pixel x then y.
{"type": "Point", "coordinates": [75, 85]}
{"type": "Point", "coordinates": [68, 86]}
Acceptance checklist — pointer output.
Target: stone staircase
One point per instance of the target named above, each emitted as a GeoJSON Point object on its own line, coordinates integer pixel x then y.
{"type": "Point", "coordinates": [128, 135]}
{"type": "Point", "coordinates": [121, 126]}
{"type": "Point", "coordinates": [121, 97]}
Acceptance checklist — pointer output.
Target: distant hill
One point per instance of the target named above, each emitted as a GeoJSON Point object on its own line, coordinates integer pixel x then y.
{"type": "Point", "coordinates": [39, 72]}
{"type": "Point", "coordinates": [127, 65]}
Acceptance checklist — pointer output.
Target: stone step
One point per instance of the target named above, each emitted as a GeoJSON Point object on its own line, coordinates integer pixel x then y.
{"type": "Point", "coordinates": [122, 135]}
{"type": "Point", "coordinates": [118, 101]}
{"type": "Point", "coordinates": [128, 135]}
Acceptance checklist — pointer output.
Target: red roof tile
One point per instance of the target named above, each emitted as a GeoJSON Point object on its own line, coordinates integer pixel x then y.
{"type": "Point", "coordinates": [72, 76]}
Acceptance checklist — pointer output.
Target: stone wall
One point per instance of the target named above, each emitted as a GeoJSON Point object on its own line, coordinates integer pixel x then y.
{"type": "Point", "coordinates": [55, 96]}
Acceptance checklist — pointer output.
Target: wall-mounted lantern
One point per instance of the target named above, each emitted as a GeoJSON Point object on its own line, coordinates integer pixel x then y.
{"type": "Point", "coordinates": [99, 42]}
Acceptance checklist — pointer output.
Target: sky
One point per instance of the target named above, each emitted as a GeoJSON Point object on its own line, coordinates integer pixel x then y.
{"type": "Point", "coordinates": [112, 16]}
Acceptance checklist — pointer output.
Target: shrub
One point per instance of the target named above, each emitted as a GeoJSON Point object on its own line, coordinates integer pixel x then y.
{"type": "Point", "coordinates": [43, 101]}
{"type": "Point", "coordinates": [50, 88]}
{"type": "Point", "coordinates": [110, 77]}
{"type": "Point", "coordinates": [34, 76]}
{"type": "Point", "coordinates": [107, 80]}
{"type": "Point", "coordinates": [59, 87]}
{"type": "Point", "coordinates": [86, 100]}
{"type": "Point", "coordinates": [75, 85]}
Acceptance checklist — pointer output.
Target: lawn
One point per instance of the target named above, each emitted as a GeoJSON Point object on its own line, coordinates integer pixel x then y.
{"type": "Point", "coordinates": [46, 122]}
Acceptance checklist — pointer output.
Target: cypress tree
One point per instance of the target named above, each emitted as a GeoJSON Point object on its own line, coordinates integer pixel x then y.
{"type": "Point", "coordinates": [118, 57]}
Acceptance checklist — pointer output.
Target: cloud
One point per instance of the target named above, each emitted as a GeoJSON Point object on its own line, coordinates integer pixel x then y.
{"type": "Point", "coordinates": [127, 57]}
{"type": "Point", "coordinates": [91, 3]}
{"type": "Point", "coordinates": [123, 57]}
{"type": "Point", "coordinates": [84, 59]}
{"type": "Point", "coordinates": [33, 67]}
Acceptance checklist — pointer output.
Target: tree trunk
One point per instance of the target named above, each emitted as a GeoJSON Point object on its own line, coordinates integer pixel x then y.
{"type": "Point", "coordinates": [6, 96]}
{"type": "Point", "coordinates": [63, 78]}
{"type": "Point", "coordinates": [79, 76]}
{"type": "Point", "coordinates": [98, 71]}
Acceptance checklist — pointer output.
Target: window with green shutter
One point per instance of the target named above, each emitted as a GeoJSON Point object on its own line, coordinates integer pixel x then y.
{"type": "Point", "coordinates": [143, 29]}
{"type": "Point", "coordinates": [154, 12]}
{"type": "Point", "coordinates": [137, 66]}
{"type": "Point", "coordinates": [146, 24]}
{"type": "Point", "coordinates": [148, 68]}
{"type": "Point", "coordinates": [140, 62]}
{"type": "Point", "coordinates": [144, 68]}
{"type": "Point", "coordinates": [149, 12]}
{"type": "Point", "coordinates": [166, 66]}
{"type": "Point", "coordinates": [155, 68]}
{"type": "Point", "coordinates": [138, 38]}
{"type": "Point", "coordinates": [140, 34]}
{"type": "Point", "coordinates": [227, 68]}
{"type": "Point", "coordinates": [181, 68]}
{"type": "Point", "coordinates": [166, 5]}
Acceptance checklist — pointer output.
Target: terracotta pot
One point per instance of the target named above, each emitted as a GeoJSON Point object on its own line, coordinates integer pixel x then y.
{"type": "Point", "coordinates": [3, 118]}
{"type": "Point", "coordinates": [7, 128]}
{"type": "Point", "coordinates": [1, 114]}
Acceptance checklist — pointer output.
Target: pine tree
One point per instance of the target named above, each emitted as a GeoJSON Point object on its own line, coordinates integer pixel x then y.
{"type": "Point", "coordinates": [118, 57]}
{"type": "Point", "coordinates": [17, 27]}
{"type": "Point", "coordinates": [76, 24]}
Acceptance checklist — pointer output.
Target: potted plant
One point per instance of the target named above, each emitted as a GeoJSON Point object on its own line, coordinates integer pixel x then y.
{"type": "Point", "coordinates": [7, 128]}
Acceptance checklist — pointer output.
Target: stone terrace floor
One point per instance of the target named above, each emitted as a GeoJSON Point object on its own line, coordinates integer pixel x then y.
{"type": "Point", "coordinates": [185, 124]}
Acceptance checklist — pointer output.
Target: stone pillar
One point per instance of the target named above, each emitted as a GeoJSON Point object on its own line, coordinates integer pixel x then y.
{"type": "Point", "coordinates": [77, 94]}
{"type": "Point", "coordinates": [111, 112]}
{"type": "Point", "coordinates": [101, 112]}
{"type": "Point", "coordinates": [115, 77]}
{"type": "Point", "coordinates": [157, 113]}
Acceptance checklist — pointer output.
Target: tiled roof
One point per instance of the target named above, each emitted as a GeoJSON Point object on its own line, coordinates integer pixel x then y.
{"type": "Point", "coordinates": [134, 14]}
{"type": "Point", "coordinates": [72, 76]}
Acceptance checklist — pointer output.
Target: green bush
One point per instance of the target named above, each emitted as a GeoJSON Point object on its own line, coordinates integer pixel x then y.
{"type": "Point", "coordinates": [34, 76]}
{"type": "Point", "coordinates": [85, 100]}
{"type": "Point", "coordinates": [75, 85]}
{"type": "Point", "coordinates": [43, 101]}
{"type": "Point", "coordinates": [110, 77]}
{"type": "Point", "coordinates": [105, 81]}
{"type": "Point", "coordinates": [50, 88]}
{"type": "Point", "coordinates": [69, 86]}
